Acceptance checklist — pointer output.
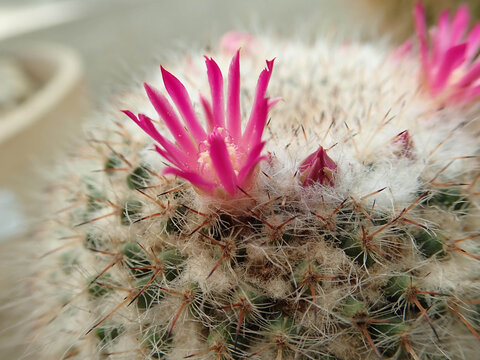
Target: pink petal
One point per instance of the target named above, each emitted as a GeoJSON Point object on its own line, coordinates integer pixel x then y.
{"type": "Point", "coordinates": [166, 155]}
{"type": "Point", "coordinates": [215, 80]}
{"type": "Point", "coordinates": [449, 54]}
{"type": "Point", "coordinates": [131, 116]}
{"type": "Point", "coordinates": [460, 24]}
{"type": "Point", "coordinates": [143, 124]}
{"type": "Point", "coordinates": [234, 116]}
{"type": "Point", "coordinates": [207, 109]}
{"type": "Point", "coordinates": [470, 77]}
{"type": "Point", "coordinates": [222, 163]}
{"type": "Point", "coordinates": [259, 109]}
{"type": "Point", "coordinates": [172, 153]}
{"type": "Point", "coordinates": [252, 160]}
{"type": "Point", "coordinates": [180, 97]}
{"type": "Point", "coordinates": [403, 50]}
{"type": "Point", "coordinates": [452, 59]}
{"type": "Point", "coordinates": [421, 26]}
{"type": "Point", "coordinates": [233, 40]}
{"type": "Point", "coordinates": [258, 122]}
{"type": "Point", "coordinates": [248, 170]}
{"type": "Point", "coordinates": [167, 113]}
{"type": "Point", "coordinates": [441, 37]}
{"type": "Point", "coordinates": [272, 102]}
{"type": "Point", "coordinates": [193, 178]}
{"type": "Point", "coordinates": [181, 158]}
{"type": "Point", "coordinates": [473, 42]}
{"type": "Point", "coordinates": [308, 161]}
{"type": "Point", "coordinates": [314, 172]}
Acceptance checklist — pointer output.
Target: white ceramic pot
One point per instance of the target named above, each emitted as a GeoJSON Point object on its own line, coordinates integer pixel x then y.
{"type": "Point", "coordinates": [32, 133]}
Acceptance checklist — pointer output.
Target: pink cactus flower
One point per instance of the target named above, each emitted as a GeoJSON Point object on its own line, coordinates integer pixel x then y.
{"type": "Point", "coordinates": [319, 168]}
{"type": "Point", "coordinates": [220, 159]}
{"type": "Point", "coordinates": [450, 65]}
{"type": "Point", "coordinates": [233, 40]}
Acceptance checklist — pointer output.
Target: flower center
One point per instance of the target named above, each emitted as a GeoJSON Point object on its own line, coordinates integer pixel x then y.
{"type": "Point", "coordinates": [205, 161]}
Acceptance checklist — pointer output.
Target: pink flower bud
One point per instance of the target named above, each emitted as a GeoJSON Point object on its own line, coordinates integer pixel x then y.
{"type": "Point", "coordinates": [405, 144]}
{"type": "Point", "coordinates": [318, 167]}
{"type": "Point", "coordinates": [233, 40]}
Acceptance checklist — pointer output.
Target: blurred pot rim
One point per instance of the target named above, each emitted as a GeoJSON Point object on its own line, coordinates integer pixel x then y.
{"type": "Point", "coordinates": [62, 69]}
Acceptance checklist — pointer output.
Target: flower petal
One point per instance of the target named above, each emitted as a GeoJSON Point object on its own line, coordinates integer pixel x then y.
{"type": "Point", "coordinates": [272, 102]}
{"type": "Point", "coordinates": [473, 42]}
{"type": "Point", "coordinates": [132, 116]}
{"type": "Point", "coordinates": [253, 159]}
{"type": "Point", "coordinates": [207, 109]}
{"type": "Point", "coordinates": [441, 37]}
{"type": "Point", "coordinates": [167, 113]}
{"type": "Point", "coordinates": [222, 163]}
{"type": "Point", "coordinates": [258, 122]}
{"type": "Point", "coordinates": [181, 158]}
{"type": "Point", "coordinates": [192, 177]}
{"type": "Point", "coordinates": [403, 50]}
{"type": "Point", "coordinates": [258, 116]}
{"type": "Point", "coordinates": [470, 77]}
{"type": "Point", "coordinates": [180, 97]}
{"type": "Point", "coordinates": [452, 59]}
{"type": "Point", "coordinates": [171, 152]}
{"type": "Point", "coordinates": [248, 171]}
{"type": "Point", "coordinates": [234, 116]}
{"type": "Point", "coordinates": [460, 24]}
{"type": "Point", "coordinates": [215, 79]}
{"type": "Point", "coordinates": [166, 155]}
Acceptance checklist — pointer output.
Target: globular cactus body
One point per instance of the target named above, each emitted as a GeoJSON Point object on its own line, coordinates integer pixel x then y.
{"type": "Point", "coordinates": [374, 255]}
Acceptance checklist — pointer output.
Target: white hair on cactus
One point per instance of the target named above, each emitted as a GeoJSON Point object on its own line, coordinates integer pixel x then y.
{"type": "Point", "coordinates": [378, 260]}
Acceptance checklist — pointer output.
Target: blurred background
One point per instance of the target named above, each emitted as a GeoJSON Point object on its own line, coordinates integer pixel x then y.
{"type": "Point", "coordinates": [62, 59]}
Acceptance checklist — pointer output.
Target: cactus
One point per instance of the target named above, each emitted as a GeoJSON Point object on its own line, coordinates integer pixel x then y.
{"type": "Point", "coordinates": [349, 232]}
